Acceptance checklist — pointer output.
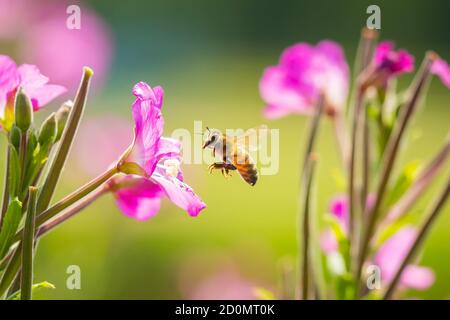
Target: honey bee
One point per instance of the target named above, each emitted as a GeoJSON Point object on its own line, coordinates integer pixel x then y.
{"type": "Point", "coordinates": [234, 152]}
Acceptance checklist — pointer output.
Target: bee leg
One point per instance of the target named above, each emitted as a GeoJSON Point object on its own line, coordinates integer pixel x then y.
{"type": "Point", "coordinates": [216, 165]}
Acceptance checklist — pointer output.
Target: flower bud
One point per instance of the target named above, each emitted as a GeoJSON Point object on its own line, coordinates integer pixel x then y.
{"type": "Point", "coordinates": [23, 111]}
{"type": "Point", "coordinates": [47, 133]}
{"type": "Point", "coordinates": [14, 137]}
{"type": "Point", "coordinates": [61, 118]}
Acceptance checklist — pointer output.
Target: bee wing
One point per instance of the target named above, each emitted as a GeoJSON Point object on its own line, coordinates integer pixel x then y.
{"type": "Point", "coordinates": [252, 138]}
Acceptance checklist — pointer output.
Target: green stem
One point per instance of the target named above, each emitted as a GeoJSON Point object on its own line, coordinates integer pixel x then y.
{"type": "Point", "coordinates": [416, 91]}
{"type": "Point", "coordinates": [356, 124]}
{"type": "Point", "coordinates": [65, 144]}
{"type": "Point", "coordinates": [306, 226]}
{"type": "Point", "coordinates": [430, 218]}
{"type": "Point", "coordinates": [27, 247]}
{"type": "Point", "coordinates": [14, 258]}
{"type": "Point", "coordinates": [305, 185]}
{"type": "Point", "coordinates": [71, 199]}
{"type": "Point", "coordinates": [23, 159]}
{"type": "Point", "coordinates": [425, 178]}
{"type": "Point", "coordinates": [11, 270]}
{"type": "Point", "coordinates": [6, 190]}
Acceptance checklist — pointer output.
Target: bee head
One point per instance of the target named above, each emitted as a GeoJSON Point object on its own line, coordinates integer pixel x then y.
{"type": "Point", "coordinates": [212, 138]}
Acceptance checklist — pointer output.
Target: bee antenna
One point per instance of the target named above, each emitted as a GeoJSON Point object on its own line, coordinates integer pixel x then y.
{"type": "Point", "coordinates": [208, 129]}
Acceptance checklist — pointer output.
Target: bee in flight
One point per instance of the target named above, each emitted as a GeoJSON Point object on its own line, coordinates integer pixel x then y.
{"type": "Point", "coordinates": [234, 152]}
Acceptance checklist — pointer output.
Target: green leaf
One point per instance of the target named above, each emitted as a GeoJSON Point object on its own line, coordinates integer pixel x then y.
{"type": "Point", "coordinates": [10, 225]}
{"type": "Point", "coordinates": [14, 172]}
{"type": "Point", "coordinates": [34, 288]}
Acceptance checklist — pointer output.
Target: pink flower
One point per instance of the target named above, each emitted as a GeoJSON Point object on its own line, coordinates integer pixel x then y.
{"type": "Point", "coordinates": [33, 83]}
{"type": "Point", "coordinates": [338, 207]}
{"type": "Point", "coordinates": [441, 69]}
{"type": "Point", "coordinates": [62, 52]}
{"type": "Point", "coordinates": [391, 254]}
{"type": "Point", "coordinates": [139, 197]}
{"type": "Point", "coordinates": [387, 63]}
{"type": "Point", "coordinates": [302, 75]}
{"type": "Point", "coordinates": [394, 62]}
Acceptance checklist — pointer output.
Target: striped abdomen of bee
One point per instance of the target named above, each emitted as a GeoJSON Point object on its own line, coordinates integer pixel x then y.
{"type": "Point", "coordinates": [245, 165]}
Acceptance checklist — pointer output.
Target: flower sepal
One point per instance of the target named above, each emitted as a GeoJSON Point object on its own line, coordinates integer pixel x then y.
{"type": "Point", "coordinates": [131, 168]}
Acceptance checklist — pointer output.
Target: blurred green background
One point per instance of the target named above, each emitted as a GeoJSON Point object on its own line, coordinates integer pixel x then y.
{"type": "Point", "coordinates": [209, 56]}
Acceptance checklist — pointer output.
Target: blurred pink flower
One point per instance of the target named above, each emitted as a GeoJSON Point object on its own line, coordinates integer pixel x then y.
{"type": "Point", "coordinates": [111, 133]}
{"type": "Point", "coordinates": [62, 52]}
{"type": "Point", "coordinates": [338, 207]}
{"type": "Point", "coordinates": [38, 31]}
{"type": "Point", "coordinates": [394, 62]}
{"type": "Point", "coordinates": [303, 73]}
{"type": "Point", "coordinates": [387, 63]}
{"type": "Point", "coordinates": [442, 70]}
{"type": "Point", "coordinates": [31, 80]}
{"type": "Point", "coordinates": [225, 285]}
{"type": "Point", "coordinates": [159, 157]}
{"type": "Point", "coordinates": [13, 14]}
{"type": "Point", "coordinates": [391, 254]}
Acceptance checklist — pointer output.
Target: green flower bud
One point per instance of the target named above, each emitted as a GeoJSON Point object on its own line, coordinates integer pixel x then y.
{"type": "Point", "coordinates": [23, 111]}
{"type": "Point", "coordinates": [47, 133]}
{"type": "Point", "coordinates": [14, 137]}
{"type": "Point", "coordinates": [61, 118]}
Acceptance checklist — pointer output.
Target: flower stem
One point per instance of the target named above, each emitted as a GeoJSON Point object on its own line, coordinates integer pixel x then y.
{"type": "Point", "coordinates": [306, 225]}
{"type": "Point", "coordinates": [23, 158]}
{"type": "Point", "coordinates": [425, 228]}
{"type": "Point", "coordinates": [72, 198]}
{"type": "Point", "coordinates": [416, 91]}
{"type": "Point", "coordinates": [65, 144]}
{"type": "Point", "coordinates": [356, 124]}
{"type": "Point", "coordinates": [5, 200]}
{"type": "Point", "coordinates": [27, 247]}
{"type": "Point", "coordinates": [88, 200]}
{"type": "Point", "coordinates": [14, 258]}
{"type": "Point", "coordinates": [342, 138]}
{"type": "Point", "coordinates": [366, 162]}
{"type": "Point", "coordinates": [305, 185]}
{"type": "Point", "coordinates": [420, 184]}
{"type": "Point", "coordinates": [11, 270]}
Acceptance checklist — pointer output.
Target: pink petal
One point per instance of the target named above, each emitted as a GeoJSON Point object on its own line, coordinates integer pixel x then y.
{"type": "Point", "coordinates": [9, 80]}
{"type": "Point", "coordinates": [305, 71]}
{"type": "Point", "coordinates": [339, 208]}
{"type": "Point", "coordinates": [35, 85]}
{"type": "Point", "coordinates": [394, 62]}
{"type": "Point", "coordinates": [149, 125]}
{"type": "Point", "coordinates": [416, 277]}
{"type": "Point", "coordinates": [140, 201]}
{"type": "Point", "coordinates": [279, 94]}
{"type": "Point", "coordinates": [442, 70]}
{"type": "Point", "coordinates": [168, 148]}
{"type": "Point", "coordinates": [328, 242]}
{"type": "Point", "coordinates": [393, 252]}
{"type": "Point", "coordinates": [144, 92]}
{"type": "Point", "coordinates": [180, 194]}
{"type": "Point", "coordinates": [382, 51]}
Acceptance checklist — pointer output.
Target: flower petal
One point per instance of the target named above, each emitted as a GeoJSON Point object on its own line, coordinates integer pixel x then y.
{"type": "Point", "coordinates": [149, 125]}
{"type": "Point", "coordinates": [9, 80]}
{"type": "Point", "coordinates": [143, 91]}
{"type": "Point", "coordinates": [180, 193]}
{"type": "Point", "coordinates": [328, 242]}
{"type": "Point", "coordinates": [417, 277]}
{"type": "Point", "coordinates": [35, 85]}
{"type": "Point", "coordinates": [140, 201]}
{"type": "Point", "coordinates": [391, 255]}
{"type": "Point", "coordinates": [442, 70]}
